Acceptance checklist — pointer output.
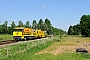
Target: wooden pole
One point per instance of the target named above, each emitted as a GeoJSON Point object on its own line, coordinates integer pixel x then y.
{"type": "Point", "coordinates": [7, 52]}
{"type": "Point", "coordinates": [19, 49]}
{"type": "Point", "coordinates": [27, 46]}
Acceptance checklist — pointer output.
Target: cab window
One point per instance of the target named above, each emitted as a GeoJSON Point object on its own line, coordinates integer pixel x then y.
{"type": "Point", "coordinates": [20, 30]}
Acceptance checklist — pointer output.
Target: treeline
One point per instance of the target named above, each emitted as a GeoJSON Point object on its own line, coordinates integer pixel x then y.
{"type": "Point", "coordinates": [82, 28]}
{"type": "Point", "coordinates": [43, 25]}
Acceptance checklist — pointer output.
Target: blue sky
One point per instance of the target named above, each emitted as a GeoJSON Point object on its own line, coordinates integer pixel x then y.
{"type": "Point", "coordinates": [61, 13]}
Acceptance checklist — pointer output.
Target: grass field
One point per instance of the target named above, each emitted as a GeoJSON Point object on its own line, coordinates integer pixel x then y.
{"type": "Point", "coordinates": [6, 37]}
{"type": "Point", "coordinates": [53, 50]}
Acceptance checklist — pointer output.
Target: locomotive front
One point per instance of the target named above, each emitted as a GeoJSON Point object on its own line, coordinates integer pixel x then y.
{"type": "Point", "coordinates": [18, 33]}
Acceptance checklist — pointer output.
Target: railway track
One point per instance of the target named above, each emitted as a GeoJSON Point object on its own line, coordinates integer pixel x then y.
{"type": "Point", "coordinates": [13, 41]}
{"type": "Point", "coordinates": [7, 42]}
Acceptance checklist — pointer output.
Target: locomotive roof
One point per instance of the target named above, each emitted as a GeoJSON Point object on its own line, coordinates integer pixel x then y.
{"type": "Point", "coordinates": [19, 28]}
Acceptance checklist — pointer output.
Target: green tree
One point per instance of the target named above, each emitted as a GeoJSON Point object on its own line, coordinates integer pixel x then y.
{"type": "Point", "coordinates": [5, 27]}
{"type": "Point", "coordinates": [48, 23]}
{"type": "Point", "coordinates": [40, 24]}
{"type": "Point", "coordinates": [13, 24]}
{"type": "Point", "coordinates": [20, 24]}
{"type": "Point", "coordinates": [27, 25]}
{"type": "Point", "coordinates": [49, 26]}
{"type": "Point", "coordinates": [44, 27]}
{"type": "Point", "coordinates": [85, 25]}
{"type": "Point", "coordinates": [34, 24]}
{"type": "Point", "coordinates": [76, 29]}
{"type": "Point", "coordinates": [10, 28]}
{"type": "Point", "coordinates": [70, 30]}
{"type": "Point", "coordinates": [56, 31]}
{"type": "Point", "coordinates": [1, 29]}
{"type": "Point", "coordinates": [59, 32]}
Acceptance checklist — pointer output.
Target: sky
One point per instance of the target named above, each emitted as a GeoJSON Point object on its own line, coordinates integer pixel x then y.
{"type": "Point", "coordinates": [61, 13]}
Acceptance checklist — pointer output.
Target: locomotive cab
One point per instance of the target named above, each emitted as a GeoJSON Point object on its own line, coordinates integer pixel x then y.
{"type": "Point", "coordinates": [18, 33]}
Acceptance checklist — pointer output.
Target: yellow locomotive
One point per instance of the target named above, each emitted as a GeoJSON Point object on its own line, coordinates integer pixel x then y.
{"type": "Point", "coordinates": [21, 33]}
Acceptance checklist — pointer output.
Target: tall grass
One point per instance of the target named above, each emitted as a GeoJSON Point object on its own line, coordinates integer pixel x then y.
{"type": "Point", "coordinates": [33, 47]}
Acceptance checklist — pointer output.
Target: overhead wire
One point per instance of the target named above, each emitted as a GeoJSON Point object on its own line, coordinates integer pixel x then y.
{"type": "Point", "coordinates": [8, 16]}
{"type": "Point", "coordinates": [6, 20]}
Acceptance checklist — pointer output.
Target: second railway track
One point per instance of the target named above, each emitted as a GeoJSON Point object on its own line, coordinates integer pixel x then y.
{"type": "Point", "coordinates": [7, 42]}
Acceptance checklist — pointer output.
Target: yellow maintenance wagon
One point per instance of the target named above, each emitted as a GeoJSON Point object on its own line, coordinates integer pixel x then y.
{"type": "Point", "coordinates": [21, 33]}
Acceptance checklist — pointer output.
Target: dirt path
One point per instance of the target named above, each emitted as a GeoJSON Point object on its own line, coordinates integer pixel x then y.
{"type": "Point", "coordinates": [58, 48]}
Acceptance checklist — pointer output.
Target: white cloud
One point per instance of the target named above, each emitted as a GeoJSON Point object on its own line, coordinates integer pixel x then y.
{"type": "Point", "coordinates": [44, 6]}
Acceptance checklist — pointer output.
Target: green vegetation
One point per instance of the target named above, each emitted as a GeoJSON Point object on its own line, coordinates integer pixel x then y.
{"type": "Point", "coordinates": [6, 37]}
{"type": "Point", "coordinates": [43, 25]}
{"type": "Point", "coordinates": [82, 28]}
{"type": "Point", "coordinates": [74, 30]}
{"type": "Point", "coordinates": [63, 56]}
{"type": "Point", "coordinates": [20, 51]}
{"type": "Point", "coordinates": [48, 45]}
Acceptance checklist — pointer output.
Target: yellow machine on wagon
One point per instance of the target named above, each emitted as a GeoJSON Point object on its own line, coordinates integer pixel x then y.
{"type": "Point", "coordinates": [44, 34]}
{"type": "Point", "coordinates": [40, 34]}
